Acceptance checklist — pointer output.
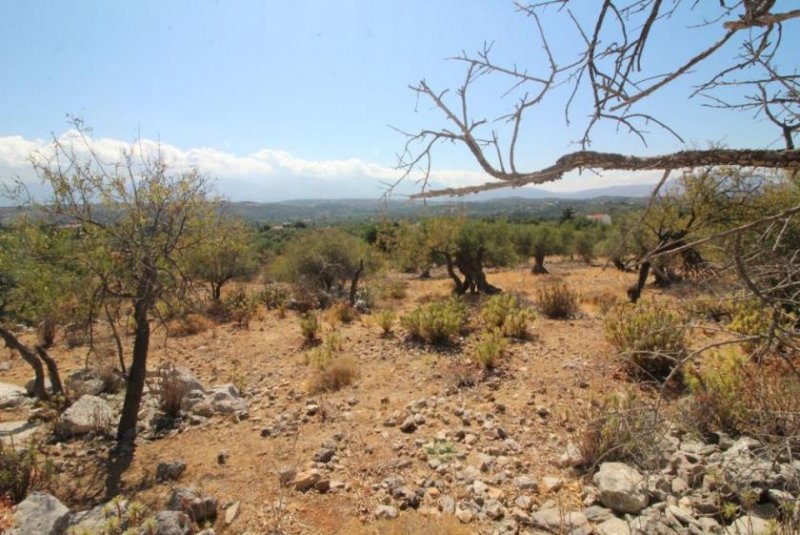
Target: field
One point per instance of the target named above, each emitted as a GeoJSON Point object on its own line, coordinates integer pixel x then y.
{"type": "Point", "coordinates": [539, 396]}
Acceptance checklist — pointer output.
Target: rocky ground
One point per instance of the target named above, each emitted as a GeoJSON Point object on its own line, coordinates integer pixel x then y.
{"type": "Point", "coordinates": [411, 447]}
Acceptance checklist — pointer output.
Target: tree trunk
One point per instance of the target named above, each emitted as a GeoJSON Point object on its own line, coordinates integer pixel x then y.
{"type": "Point", "coordinates": [12, 342]}
{"type": "Point", "coordinates": [216, 291]}
{"type": "Point", "coordinates": [126, 432]}
{"type": "Point", "coordinates": [474, 277]}
{"type": "Point", "coordinates": [635, 291]}
{"type": "Point", "coordinates": [460, 287]}
{"type": "Point", "coordinates": [538, 265]}
{"type": "Point", "coordinates": [619, 264]}
{"type": "Point", "coordinates": [52, 372]}
{"type": "Point", "coordinates": [354, 282]}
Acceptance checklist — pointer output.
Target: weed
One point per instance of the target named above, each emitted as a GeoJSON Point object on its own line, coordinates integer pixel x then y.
{"type": "Point", "coordinates": [385, 320]}
{"type": "Point", "coordinates": [169, 389]}
{"type": "Point", "coordinates": [625, 428]}
{"type": "Point", "coordinates": [650, 336]}
{"type": "Point", "coordinates": [557, 301]}
{"type": "Point", "coordinates": [21, 472]}
{"type": "Point", "coordinates": [505, 313]}
{"type": "Point", "coordinates": [489, 349]}
{"type": "Point", "coordinates": [335, 375]}
{"type": "Point", "coordinates": [437, 322]}
{"type": "Point", "coordinates": [342, 312]}
{"type": "Point", "coordinates": [310, 327]}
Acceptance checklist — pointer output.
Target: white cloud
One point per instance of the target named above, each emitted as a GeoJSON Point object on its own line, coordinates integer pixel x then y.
{"type": "Point", "coordinates": [271, 174]}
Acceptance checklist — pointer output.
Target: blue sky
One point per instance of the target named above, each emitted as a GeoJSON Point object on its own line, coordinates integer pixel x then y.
{"type": "Point", "coordinates": [280, 98]}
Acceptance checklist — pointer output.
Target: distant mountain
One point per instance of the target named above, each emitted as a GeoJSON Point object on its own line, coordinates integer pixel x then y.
{"type": "Point", "coordinates": [519, 203]}
{"type": "Point", "coordinates": [633, 190]}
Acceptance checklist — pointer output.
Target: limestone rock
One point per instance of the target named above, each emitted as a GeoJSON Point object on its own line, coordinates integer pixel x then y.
{"type": "Point", "coordinates": [40, 514]}
{"type": "Point", "coordinates": [173, 523]}
{"type": "Point", "coordinates": [621, 487]}
{"type": "Point", "coordinates": [199, 505]}
{"type": "Point", "coordinates": [11, 395]}
{"type": "Point", "coordinates": [88, 414]}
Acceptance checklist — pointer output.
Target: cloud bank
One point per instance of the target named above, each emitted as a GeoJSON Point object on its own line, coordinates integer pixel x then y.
{"type": "Point", "coordinates": [266, 174]}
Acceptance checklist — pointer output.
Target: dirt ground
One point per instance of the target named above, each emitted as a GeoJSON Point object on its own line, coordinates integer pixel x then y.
{"type": "Point", "coordinates": [539, 395]}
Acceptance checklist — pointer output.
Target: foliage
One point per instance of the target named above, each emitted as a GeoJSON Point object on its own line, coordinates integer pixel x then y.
{"type": "Point", "coordinates": [489, 349]}
{"type": "Point", "coordinates": [274, 295]}
{"type": "Point", "coordinates": [21, 471]}
{"type": "Point", "coordinates": [323, 260]}
{"type": "Point", "coordinates": [239, 307]}
{"type": "Point", "coordinates": [732, 393]}
{"type": "Point", "coordinates": [504, 312]}
{"type": "Point", "coordinates": [225, 253]}
{"type": "Point", "coordinates": [441, 449]}
{"type": "Point", "coordinates": [650, 336]}
{"type": "Point", "coordinates": [556, 300]}
{"type": "Point", "coordinates": [343, 312]}
{"type": "Point", "coordinates": [623, 427]}
{"type": "Point", "coordinates": [718, 387]}
{"type": "Point", "coordinates": [385, 320]}
{"type": "Point", "coordinates": [310, 327]}
{"type": "Point", "coordinates": [750, 318]}
{"type": "Point", "coordinates": [438, 322]}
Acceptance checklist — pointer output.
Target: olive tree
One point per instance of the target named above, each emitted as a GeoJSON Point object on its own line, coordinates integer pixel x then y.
{"type": "Point", "coordinates": [40, 281]}
{"type": "Point", "coordinates": [137, 220]}
{"type": "Point", "coordinates": [226, 253]}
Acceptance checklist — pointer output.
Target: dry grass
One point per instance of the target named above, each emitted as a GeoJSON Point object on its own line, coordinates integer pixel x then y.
{"type": "Point", "coordinates": [189, 325]}
{"type": "Point", "coordinates": [335, 375]}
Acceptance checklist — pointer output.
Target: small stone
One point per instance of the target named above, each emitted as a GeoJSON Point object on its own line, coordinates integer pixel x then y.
{"type": "Point", "coordinates": [549, 485]}
{"type": "Point", "coordinates": [231, 513]}
{"type": "Point", "coordinates": [525, 483]}
{"type": "Point", "coordinates": [171, 470]}
{"type": "Point", "coordinates": [324, 455]}
{"type": "Point", "coordinates": [305, 480]}
{"type": "Point", "coordinates": [612, 526]}
{"type": "Point", "coordinates": [408, 425]}
{"type": "Point", "coordinates": [385, 512]}
{"type": "Point", "coordinates": [465, 516]}
{"type": "Point", "coordinates": [447, 505]}
{"type": "Point", "coordinates": [222, 457]}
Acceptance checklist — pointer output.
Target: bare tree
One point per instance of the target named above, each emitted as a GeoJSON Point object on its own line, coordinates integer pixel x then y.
{"type": "Point", "coordinates": [619, 78]}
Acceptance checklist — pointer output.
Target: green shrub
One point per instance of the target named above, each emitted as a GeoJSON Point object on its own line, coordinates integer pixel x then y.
{"type": "Point", "coordinates": [385, 320]}
{"type": "Point", "coordinates": [239, 307]}
{"type": "Point", "coordinates": [732, 393]}
{"type": "Point", "coordinates": [489, 349]}
{"type": "Point", "coordinates": [623, 427]}
{"type": "Point", "coordinates": [505, 313]}
{"type": "Point", "coordinates": [21, 472]}
{"type": "Point", "coordinates": [558, 301]}
{"type": "Point", "coordinates": [750, 318]}
{"type": "Point", "coordinates": [342, 312]}
{"type": "Point", "coordinates": [717, 400]}
{"type": "Point", "coordinates": [310, 327]}
{"type": "Point", "coordinates": [649, 336]}
{"type": "Point", "coordinates": [274, 295]}
{"type": "Point", "coordinates": [437, 322]}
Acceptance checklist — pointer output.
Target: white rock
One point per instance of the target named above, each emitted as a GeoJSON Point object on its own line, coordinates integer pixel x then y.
{"type": "Point", "coordinates": [89, 413]}
{"type": "Point", "coordinates": [621, 488]}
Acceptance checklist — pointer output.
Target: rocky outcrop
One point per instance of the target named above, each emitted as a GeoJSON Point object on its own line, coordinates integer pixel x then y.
{"type": "Point", "coordinates": [40, 514]}
{"type": "Point", "coordinates": [90, 414]}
